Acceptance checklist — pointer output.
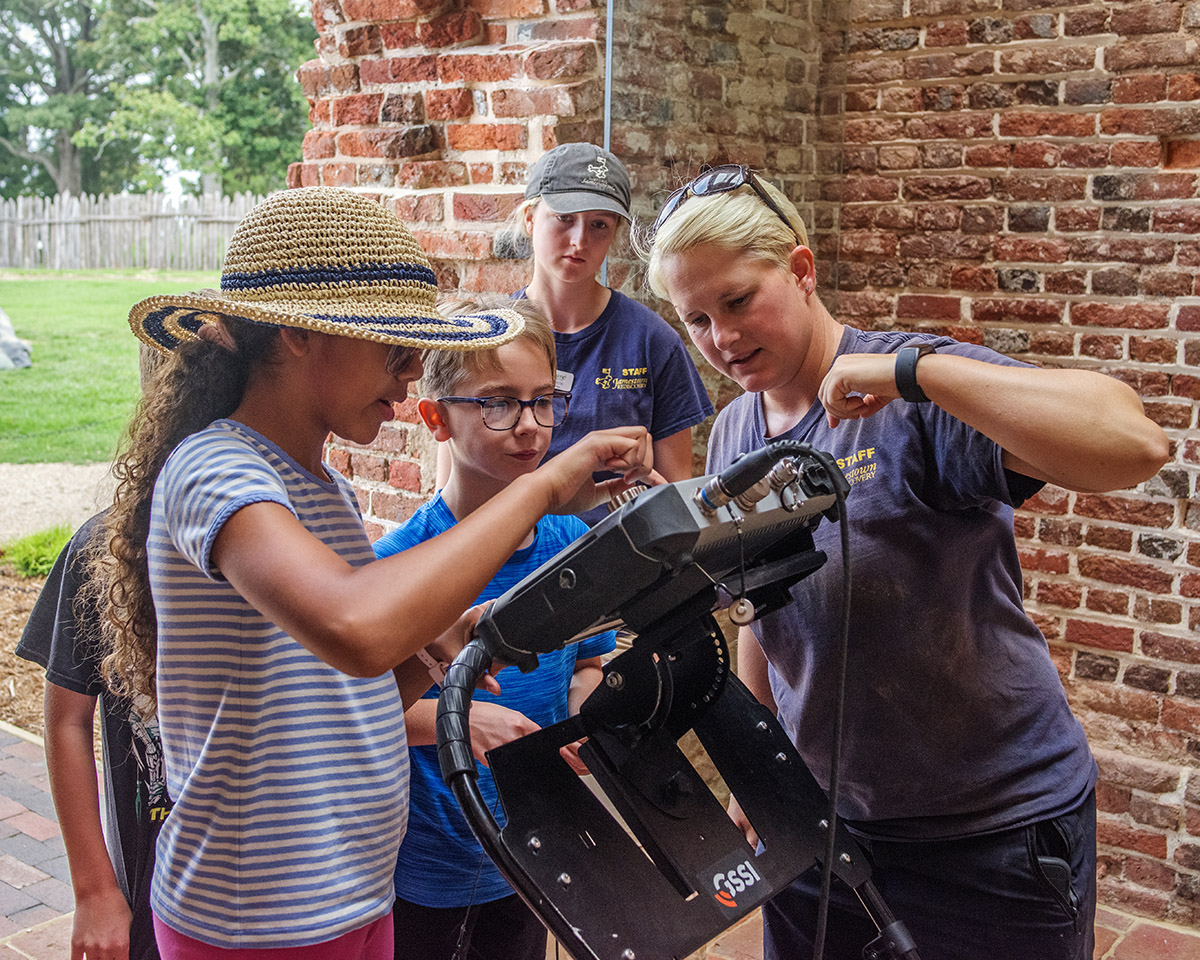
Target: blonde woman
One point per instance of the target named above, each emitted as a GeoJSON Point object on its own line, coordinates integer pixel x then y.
{"type": "Point", "coordinates": [964, 771]}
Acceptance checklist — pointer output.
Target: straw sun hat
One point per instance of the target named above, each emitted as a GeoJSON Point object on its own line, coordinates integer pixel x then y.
{"type": "Point", "coordinates": [327, 260]}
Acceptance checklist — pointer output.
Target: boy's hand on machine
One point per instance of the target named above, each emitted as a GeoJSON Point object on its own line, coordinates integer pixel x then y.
{"type": "Point", "coordinates": [493, 726]}
{"type": "Point", "coordinates": [448, 646]}
{"type": "Point", "coordinates": [570, 753]}
{"type": "Point", "coordinates": [742, 822]}
{"type": "Point", "coordinates": [628, 451]}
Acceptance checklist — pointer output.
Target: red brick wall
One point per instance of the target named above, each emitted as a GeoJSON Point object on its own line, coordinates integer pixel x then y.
{"type": "Point", "coordinates": [1021, 173]}
{"type": "Point", "coordinates": [438, 108]}
{"type": "Point", "coordinates": [1024, 174]}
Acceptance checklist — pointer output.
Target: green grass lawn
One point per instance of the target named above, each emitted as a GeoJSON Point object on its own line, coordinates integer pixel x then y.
{"type": "Point", "coordinates": [73, 403]}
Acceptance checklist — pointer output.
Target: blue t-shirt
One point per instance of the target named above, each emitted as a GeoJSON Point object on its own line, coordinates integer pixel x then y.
{"type": "Point", "coordinates": [628, 368]}
{"type": "Point", "coordinates": [956, 722]}
{"type": "Point", "coordinates": [289, 777]}
{"type": "Point", "coordinates": [441, 863]}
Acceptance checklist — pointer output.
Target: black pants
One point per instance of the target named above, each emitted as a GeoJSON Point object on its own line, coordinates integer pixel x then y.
{"type": "Point", "coordinates": [1022, 894]}
{"type": "Point", "coordinates": [503, 929]}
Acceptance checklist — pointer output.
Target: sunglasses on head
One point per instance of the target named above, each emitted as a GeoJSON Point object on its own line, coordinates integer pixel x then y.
{"type": "Point", "coordinates": [722, 179]}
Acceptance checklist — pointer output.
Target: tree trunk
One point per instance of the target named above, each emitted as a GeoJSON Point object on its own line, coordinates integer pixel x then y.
{"type": "Point", "coordinates": [69, 176]}
{"type": "Point", "coordinates": [210, 181]}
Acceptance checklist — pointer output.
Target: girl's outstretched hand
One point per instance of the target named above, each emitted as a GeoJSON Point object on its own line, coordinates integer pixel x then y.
{"type": "Point", "coordinates": [858, 385]}
{"type": "Point", "coordinates": [448, 646]}
{"type": "Point", "coordinates": [628, 451]}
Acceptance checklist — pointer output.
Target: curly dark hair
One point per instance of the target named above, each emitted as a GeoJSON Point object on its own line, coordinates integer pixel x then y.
{"type": "Point", "coordinates": [200, 382]}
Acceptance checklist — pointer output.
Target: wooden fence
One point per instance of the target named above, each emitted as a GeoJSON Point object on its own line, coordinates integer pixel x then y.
{"type": "Point", "coordinates": [123, 230]}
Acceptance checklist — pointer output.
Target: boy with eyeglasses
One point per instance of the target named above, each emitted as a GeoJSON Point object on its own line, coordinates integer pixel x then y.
{"type": "Point", "coordinates": [494, 410]}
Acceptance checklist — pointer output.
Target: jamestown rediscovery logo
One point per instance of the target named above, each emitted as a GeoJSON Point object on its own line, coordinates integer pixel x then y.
{"type": "Point", "coordinates": [727, 884]}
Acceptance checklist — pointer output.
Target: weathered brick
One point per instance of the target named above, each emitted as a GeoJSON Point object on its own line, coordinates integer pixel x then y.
{"type": "Point", "coordinates": [476, 67]}
{"type": "Point", "coordinates": [1038, 60]}
{"type": "Point", "coordinates": [1139, 773]}
{"type": "Point", "coordinates": [1028, 219]}
{"type": "Point", "coordinates": [928, 307]}
{"type": "Point", "coordinates": [1092, 666]}
{"type": "Point", "coordinates": [1035, 187]}
{"type": "Point", "coordinates": [559, 61]}
{"type": "Point", "coordinates": [1136, 153]}
{"type": "Point", "coordinates": [508, 9]}
{"type": "Point", "coordinates": [416, 69]}
{"type": "Point", "coordinates": [319, 145]}
{"type": "Point", "coordinates": [459, 245]}
{"type": "Point", "coordinates": [1028, 124]}
{"type": "Point", "coordinates": [1156, 610]}
{"type": "Point", "coordinates": [481, 136]}
{"type": "Point", "coordinates": [1066, 281]}
{"type": "Point", "coordinates": [1175, 51]}
{"type": "Point", "coordinates": [339, 174]}
{"type": "Point", "coordinates": [1153, 350]}
{"type": "Point", "coordinates": [388, 9]}
{"type": "Point", "coordinates": [360, 41]}
{"type": "Point", "coordinates": [1016, 310]}
{"type": "Point", "coordinates": [1145, 677]}
{"type": "Point", "coordinates": [1105, 636]}
{"type": "Point", "coordinates": [392, 144]}
{"type": "Point", "coordinates": [406, 108]}
{"type": "Point", "coordinates": [1036, 154]}
{"type": "Point", "coordinates": [1073, 218]}
{"type": "Point", "coordinates": [1143, 18]}
{"type": "Point", "coordinates": [1140, 88]}
{"type": "Point", "coordinates": [1016, 249]}
{"type": "Point", "coordinates": [1137, 316]}
{"type": "Point", "coordinates": [1163, 646]}
{"type": "Point", "coordinates": [357, 110]}
{"type": "Point", "coordinates": [946, 188]}
{"type": "Point", "coordinates": [426, 174]}
{"type": "Point", "coordinates": [1125, 572]}
{"type": "Point", "coordinates": [449, 104]}
{"type": "Point", "coordinates": [398, 36]}
{"type": "Point", "coordinates": [459, 26]}
{"type": "Point", "coordinates": [485, 207]}
{"type": "Point", "coordinates": [1177, 715]}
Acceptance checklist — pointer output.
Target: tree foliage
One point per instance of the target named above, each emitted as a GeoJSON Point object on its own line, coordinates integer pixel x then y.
{"type": "Point", "coordinates": [52, 82]}
{"type": "Point", "coordinates": [210, 87]}
{"type": "Point", "coordinates": [106, 95]}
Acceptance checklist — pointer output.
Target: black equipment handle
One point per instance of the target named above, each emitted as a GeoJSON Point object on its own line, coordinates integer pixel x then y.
{"type": "Point", "coordinates": [453, 713]}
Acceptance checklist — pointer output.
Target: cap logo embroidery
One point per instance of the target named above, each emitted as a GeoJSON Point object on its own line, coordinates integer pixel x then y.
{"type": "Point", "coordinates": [599, 168]}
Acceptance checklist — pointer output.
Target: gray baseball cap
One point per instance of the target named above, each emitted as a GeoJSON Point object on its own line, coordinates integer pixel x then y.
{"type": "Point", "coordinates": [574, 177]}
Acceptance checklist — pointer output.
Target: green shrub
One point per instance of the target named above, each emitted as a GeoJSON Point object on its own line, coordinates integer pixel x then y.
{"type": "Point", "coordinates": [34, 555]}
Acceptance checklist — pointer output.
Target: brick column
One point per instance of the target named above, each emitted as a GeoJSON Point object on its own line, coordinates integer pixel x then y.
{"type": "Point", "coordinates": [438, 108]}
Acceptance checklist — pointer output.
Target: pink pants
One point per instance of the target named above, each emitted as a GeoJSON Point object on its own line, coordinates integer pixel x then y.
{"type": "Point", "coordinates": [372, 942]}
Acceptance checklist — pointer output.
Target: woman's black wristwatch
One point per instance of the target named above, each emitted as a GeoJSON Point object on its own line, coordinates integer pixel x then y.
{"type": "Point", "coordinates": [906, 372]}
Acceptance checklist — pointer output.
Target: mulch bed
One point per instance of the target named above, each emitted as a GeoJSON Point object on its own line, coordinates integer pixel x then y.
{"type": "Point", "coordinates": [21, 682]}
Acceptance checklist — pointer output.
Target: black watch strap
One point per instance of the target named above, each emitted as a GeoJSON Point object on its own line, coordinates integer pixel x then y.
{"type": "Point", "coordinates": [906, 372]}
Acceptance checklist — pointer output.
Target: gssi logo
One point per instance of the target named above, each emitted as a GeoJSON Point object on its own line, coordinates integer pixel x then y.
{"type": "Point", "coordinates": [728, 884]}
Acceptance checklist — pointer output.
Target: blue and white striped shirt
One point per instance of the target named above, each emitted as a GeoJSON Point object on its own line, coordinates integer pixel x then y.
{"type": "Point", "coordinates": [290, 778]}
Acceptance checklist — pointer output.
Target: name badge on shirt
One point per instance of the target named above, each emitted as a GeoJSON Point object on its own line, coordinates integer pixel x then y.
{"type": "Point", "coordinates": [564, 380]}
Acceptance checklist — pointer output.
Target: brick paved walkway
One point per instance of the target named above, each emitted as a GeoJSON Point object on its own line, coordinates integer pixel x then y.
{"type": "Point", "coordinates": [36, 901]}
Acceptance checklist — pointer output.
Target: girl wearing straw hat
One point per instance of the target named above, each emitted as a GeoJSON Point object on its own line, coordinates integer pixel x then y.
{"type": "Point", "coordinates": [241, 591]}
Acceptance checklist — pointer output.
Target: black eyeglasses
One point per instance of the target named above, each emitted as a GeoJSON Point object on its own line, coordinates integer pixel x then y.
{"type": "Point", "coordinates": [723, 179]}
{"type": "Point", "coordinates": [503, 413]}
